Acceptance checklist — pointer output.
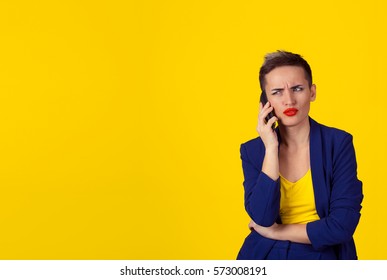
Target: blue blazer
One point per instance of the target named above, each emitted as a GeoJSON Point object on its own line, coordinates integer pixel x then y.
{"type": "Point", "coordinates": [337, 190]}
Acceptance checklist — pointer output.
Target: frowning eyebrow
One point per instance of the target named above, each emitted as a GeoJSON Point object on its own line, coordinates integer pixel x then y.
{"type": "Point", "coordinates": [280, 89]}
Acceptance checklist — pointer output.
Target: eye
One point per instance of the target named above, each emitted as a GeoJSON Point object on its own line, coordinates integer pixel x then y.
{"type": "Point", "coordinates": [297, 89]}
{"type": "Point", "coordinates": [275, 92]}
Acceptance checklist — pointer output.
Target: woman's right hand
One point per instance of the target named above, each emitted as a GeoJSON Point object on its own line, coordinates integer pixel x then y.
{"type": "Point", "coordinates": [267, 134]}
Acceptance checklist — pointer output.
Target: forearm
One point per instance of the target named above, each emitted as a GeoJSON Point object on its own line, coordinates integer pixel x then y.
{"type": "Point", "coordinates": [292, 232]}
{"type": "Point", "coordinates": [270, 165]}
{"type": "Point", "coordinates": [262, 202]}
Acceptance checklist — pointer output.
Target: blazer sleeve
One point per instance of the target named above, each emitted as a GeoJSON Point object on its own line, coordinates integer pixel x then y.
{"type": "Point", "coordinates": [262, 194]}
{"type": "Point", "coordinates": [345, 201]}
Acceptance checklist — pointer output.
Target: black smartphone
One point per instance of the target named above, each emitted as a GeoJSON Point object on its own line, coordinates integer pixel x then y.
{"type": "Point", "coordinates": [264, 100]}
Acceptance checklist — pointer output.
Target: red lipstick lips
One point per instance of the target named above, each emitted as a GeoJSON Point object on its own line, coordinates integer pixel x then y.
{"type": "Point", "coordinates": [290, 112]}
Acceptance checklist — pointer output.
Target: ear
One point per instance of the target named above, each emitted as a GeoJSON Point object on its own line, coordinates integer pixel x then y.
{"type": "Point", "coordinates": [313, 93]}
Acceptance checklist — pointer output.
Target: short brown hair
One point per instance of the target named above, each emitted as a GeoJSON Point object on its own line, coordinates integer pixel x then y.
{"type": "Point", "coordinates": [283, 58]}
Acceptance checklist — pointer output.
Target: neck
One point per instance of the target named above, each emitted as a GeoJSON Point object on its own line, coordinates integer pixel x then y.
{"type": "Point", "coordinates": [295, 136]}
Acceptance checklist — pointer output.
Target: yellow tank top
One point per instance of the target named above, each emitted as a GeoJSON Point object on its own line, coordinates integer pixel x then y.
{"type": "Point", "coordinates": [297, 205]}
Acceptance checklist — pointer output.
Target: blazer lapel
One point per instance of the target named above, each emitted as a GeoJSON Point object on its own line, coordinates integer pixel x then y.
{"type": "Point", "coordinates": [317, 168]}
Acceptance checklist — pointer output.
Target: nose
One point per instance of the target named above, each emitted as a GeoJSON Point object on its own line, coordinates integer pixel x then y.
{"type": "Point", "coordinates": [288, 97]}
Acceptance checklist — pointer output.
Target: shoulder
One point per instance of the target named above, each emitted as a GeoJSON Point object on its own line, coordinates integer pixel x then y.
{"type": "Point", "coordinates": [330, 134]}
{"type": "Point", "coordinates": [253, 150]}
{"type": "Point", "coordinates": [332, 142]}
{"type": "Point", "coordinates": [255, 144]}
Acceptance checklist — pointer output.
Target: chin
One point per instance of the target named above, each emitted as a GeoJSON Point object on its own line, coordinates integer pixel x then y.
{"type": "Point", "coordinates": [291, 121]}
{"type": "Point", "coordinates": [289, 124]}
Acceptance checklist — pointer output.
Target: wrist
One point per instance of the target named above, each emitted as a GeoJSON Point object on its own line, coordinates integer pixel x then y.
{"type": "Point", "coordinates": [273, 148]}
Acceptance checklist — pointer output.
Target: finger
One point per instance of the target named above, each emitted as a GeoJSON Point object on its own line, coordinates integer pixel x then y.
{"type": "Point", "coordinates": [265, 111]}
{"type": "Point", "coordinates": [262, 123]}
{"type": "Point", "coordinates": [266, 106]}
{"type": "Point", "coordinates": [272, 121]}
{"type": "Point", "coordinates": [263, 106]}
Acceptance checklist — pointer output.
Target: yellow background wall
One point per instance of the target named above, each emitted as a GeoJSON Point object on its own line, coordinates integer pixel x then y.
{"type": "Point", "coordinates": [121, 120]}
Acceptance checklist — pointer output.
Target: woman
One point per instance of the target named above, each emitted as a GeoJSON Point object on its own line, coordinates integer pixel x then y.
{"type": "Point", "coordinates": [301, 187]}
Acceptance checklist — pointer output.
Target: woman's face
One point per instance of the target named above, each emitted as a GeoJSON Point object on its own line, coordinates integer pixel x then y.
{"type": "Point", "coordinates": [289, 93]}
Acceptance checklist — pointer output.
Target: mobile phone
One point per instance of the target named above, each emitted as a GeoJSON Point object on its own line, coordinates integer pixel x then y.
{"type": "Point", "coordinates": [264, 100]}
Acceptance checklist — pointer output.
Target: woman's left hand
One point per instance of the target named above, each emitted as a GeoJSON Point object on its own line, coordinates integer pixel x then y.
{"type": "Point", "coordinates": [268, 232]}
